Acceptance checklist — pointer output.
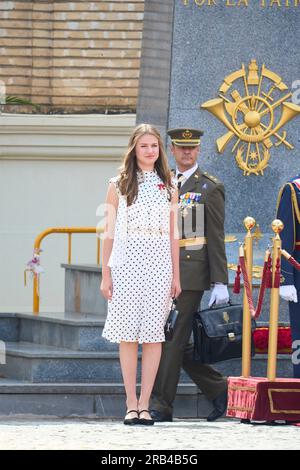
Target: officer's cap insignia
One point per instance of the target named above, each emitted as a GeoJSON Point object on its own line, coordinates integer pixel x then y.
{"type": "Point", "coordinates": [187, 134]}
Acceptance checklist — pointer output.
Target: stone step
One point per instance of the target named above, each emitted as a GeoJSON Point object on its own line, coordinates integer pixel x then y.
{"type": "Point", "coordinates": [93, 400]}
{"type": "Point", "coordinates": [40, 363]}
{"type": "Point", "coordinates": [82, 288]}
{"type": "Point", "coordinates": [82, 292]}
{"type": "Point", "coordinates": [80, 332]}
{"type": "Point", "coordinates": [37, 363]}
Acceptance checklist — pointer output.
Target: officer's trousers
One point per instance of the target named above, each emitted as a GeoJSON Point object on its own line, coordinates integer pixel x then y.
{"type": "Point", "coordinates": [294, 309]}
{"type": "Point", "coordinates": [179, 353]}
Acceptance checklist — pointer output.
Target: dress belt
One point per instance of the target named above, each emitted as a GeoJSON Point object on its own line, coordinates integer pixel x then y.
{"type": "Point", "coordinates": [193, 241]}
{"type": "Point", "coordinates": [147, 231]}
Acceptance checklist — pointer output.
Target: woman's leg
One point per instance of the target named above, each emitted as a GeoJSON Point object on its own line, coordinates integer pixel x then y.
{"type": "Point", "coordinates": [128, 360]}
{"type": "Point", "coordinates": [150, 362]}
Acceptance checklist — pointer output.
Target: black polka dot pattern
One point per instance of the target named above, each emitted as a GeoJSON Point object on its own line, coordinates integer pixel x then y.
{"type": "Point", "coordinates": [142, 285]}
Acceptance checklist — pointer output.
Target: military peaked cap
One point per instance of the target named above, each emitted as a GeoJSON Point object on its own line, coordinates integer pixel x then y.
{"type": "Point", "coordinates": [185, 136]}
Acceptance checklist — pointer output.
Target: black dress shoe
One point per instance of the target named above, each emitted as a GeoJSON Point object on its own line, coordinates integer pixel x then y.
{"type": "Point", "coordinates": [220, 406]}
{"type": "Point", "coordinates": [159, 416]}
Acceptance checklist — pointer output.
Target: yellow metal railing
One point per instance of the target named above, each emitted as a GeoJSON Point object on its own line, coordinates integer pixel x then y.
{"type": "Point", "coordinates": [69, 231]}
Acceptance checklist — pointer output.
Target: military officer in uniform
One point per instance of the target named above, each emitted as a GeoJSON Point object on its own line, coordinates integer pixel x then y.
{"type": "Point", "coordinates": [288, 210]}
{"type": "Point", "coordinates": [203, 266]}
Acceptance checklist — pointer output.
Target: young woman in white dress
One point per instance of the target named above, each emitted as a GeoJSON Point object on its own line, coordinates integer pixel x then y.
{"type": "Point", "coordinates": [140, 265]}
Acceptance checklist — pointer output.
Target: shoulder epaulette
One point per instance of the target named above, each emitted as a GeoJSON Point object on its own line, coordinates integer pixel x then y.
{"type": "Point", "coordinates": [211, 178]}
{"type": "Point", "coordinates": [294, 200]}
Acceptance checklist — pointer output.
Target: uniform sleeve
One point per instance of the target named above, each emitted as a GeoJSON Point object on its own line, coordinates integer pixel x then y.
{"type": "Point", "coordinates": [285, 212]}
{"type": "Point", "coordinates": [215, 215]}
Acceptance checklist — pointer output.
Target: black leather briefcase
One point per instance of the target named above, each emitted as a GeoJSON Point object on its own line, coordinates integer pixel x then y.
{"type": "Point", "coordinates": [218, 334]}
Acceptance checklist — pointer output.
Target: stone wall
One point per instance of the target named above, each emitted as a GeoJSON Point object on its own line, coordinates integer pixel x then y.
{"type": "Point", "coordinates": [54, 172]}
{"type": "Point", "coordinates": [154, 84]}
{"type": "Point", "coordinates": [76, 56]}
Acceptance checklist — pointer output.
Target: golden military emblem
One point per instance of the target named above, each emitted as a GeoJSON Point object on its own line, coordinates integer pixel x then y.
{"type": "Point", "coordinates": [225, 317]}
{"type": "Point", "coordinates": [254, 108]}
{"type": "Point", "coordinates": [187, 134]}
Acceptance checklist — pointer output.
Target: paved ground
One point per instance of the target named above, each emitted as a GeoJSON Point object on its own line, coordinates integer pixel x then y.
{"type": "Point", "coordinates": [112, 435]}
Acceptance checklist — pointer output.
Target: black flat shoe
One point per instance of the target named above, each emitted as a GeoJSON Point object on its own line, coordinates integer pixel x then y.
{"type": "Point", "coordinates": [131, 421]}
{"type": "Point", "coordinates": [144, 421]}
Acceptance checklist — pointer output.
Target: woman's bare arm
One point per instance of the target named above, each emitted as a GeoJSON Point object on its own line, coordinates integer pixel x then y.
{"type": "Point", "coordinates": [111, 207]}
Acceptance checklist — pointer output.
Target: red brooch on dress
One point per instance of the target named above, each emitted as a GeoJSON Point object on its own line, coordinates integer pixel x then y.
{"type": "Point", "coordinates": [161, 186]}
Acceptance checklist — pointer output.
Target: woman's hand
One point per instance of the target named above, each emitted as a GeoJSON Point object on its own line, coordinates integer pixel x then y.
{"type": "Point", "coordinates": [106, 287]}
{"type": "Point", "coordinates": [176, 287]}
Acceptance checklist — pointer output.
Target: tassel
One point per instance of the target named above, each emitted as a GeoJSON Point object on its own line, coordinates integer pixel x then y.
{"type": "Point", "coordinates": [277, 275]}
{"type": "Point", "coordinates": [237, 281]}
{"type": "Point", "coordinates": [269, 274]}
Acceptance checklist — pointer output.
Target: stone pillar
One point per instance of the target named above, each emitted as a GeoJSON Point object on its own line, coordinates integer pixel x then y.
{"type": "Point", "coordinates": [155, 71]}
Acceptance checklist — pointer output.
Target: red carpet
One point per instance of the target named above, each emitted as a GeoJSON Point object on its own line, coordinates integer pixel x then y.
{"type": "Point", "coordinates": [258, 399]}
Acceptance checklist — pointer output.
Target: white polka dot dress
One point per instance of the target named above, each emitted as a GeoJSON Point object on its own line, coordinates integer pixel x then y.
{"type": "Point", "coordinates": [141, 265]}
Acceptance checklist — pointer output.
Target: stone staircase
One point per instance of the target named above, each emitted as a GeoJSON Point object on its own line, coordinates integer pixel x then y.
{"type": "Point", "coordinates": [58, 364]}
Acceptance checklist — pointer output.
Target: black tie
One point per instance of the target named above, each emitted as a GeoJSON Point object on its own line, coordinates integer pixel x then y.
{"type": "Point", "coordinates": [178, 180]}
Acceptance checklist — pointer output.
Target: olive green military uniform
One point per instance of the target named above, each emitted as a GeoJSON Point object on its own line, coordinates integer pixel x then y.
{"type": "Point", "coordinates": [199, 267]}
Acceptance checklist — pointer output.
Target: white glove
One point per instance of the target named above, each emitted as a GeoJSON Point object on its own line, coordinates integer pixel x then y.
{"type": "Point", "coordinates": [288, 293]}
{"type": "Point", "coordinates": [219, 295]}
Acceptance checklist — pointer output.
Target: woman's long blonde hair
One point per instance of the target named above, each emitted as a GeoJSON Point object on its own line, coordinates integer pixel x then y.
{"type": "Point", "coordinates": [128, 183]}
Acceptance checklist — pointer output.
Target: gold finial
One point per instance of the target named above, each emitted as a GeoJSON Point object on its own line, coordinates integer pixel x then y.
{"type": "Point", "coordinates": [249, 223]}
{"type": "Point", "coordinates": [277, 226]}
